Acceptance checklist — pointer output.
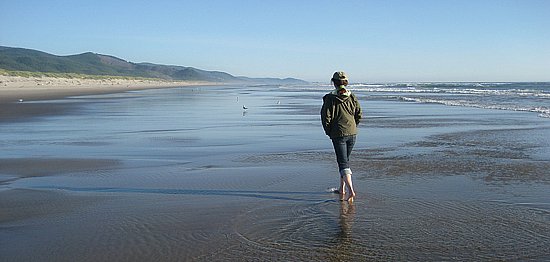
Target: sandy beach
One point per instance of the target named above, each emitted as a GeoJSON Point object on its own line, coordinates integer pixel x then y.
{"type": "Point", "coordinates": [14, 88]}
{"type": "Point", "coordinates": [185, 174]}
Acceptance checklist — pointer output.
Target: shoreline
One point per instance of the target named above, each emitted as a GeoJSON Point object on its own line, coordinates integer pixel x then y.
{"type": "Point", "coordinates": [13, 89]}
{"type": "Point", "coordinates": [185, 175]}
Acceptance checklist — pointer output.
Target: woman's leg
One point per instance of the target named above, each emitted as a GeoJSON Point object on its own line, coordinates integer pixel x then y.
{"type": "Point", "coordinates": [341, 157]}
{"type": "Point", "coordinates": [350, 143]}
{"type": "Point", "coordinates": [340, 148]}
{"type": "Point", "coordinates": [349, 185]}
{"type": "Point", "coordinates": [343, 147]}
{"type": "Point", "coordinates": [342, 189]}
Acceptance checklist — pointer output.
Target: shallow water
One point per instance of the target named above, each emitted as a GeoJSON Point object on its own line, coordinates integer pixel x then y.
{"type": "Point", "coordinates": [187, 174]}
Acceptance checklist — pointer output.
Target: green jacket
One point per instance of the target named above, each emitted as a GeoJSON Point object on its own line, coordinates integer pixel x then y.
{"type": "Point", "coordinates": [340, 115]}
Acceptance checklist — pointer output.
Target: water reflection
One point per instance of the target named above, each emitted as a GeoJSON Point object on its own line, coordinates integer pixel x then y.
{"type": "Point", "coordinates": [343, 248]}
{"type": "Point", "coordinates": [347, 214]}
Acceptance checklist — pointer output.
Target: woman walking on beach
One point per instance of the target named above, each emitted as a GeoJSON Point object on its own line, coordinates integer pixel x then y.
{"type": "Point", "coordinates": [340, 116]}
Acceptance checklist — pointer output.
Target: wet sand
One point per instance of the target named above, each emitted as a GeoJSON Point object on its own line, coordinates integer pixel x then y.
{"type": "Point", "coordinates": [15, 91]}
{"type": "Point", "coordinates": [185, 174]}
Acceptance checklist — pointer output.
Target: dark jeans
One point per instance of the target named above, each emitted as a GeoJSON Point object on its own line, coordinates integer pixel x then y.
{"type": "Point", "coordinates": [342, 147]}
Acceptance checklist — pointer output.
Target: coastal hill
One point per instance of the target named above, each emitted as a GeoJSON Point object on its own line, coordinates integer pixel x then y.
{"type": "Point", "coordinates": [21, 59]}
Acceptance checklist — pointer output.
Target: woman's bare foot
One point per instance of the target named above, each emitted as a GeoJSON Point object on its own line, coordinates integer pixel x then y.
{"type": "Point", "coordinates": [351, 196]}
{"type": "Point", "coordinates": [342, 189]}
{"type": "Point", "coordinates": [349, 186]}
{"type": "Point", "coordinates": [342, 193]}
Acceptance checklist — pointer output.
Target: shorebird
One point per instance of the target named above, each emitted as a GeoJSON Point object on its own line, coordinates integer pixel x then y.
{"type": "Point", "coordinates": [245, 108]}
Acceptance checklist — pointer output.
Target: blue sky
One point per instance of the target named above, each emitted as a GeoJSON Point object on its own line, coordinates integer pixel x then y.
{"type": "Point", "coordinates": [373, 41]}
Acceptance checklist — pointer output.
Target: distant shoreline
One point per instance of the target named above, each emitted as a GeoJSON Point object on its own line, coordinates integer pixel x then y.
{"type": "Point", "coordinates": [18, 88]}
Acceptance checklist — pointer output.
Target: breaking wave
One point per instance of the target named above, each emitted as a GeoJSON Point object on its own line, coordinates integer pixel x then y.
{"type": "Point", "coordinates": [498, 89]}
{"type": "Point", "coordinates": [541, 110]}
{"type": "Point", "coordinates": [525, 96]}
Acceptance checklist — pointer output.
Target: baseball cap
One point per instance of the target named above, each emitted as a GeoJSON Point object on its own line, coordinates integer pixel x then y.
{"type": "Point", "coordinates": [339, 75]}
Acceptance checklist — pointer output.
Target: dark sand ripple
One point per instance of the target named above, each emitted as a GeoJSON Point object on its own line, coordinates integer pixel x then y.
{"type": "Point", "coordinates": [36, 167]}
{"type": "Point", "coordinates": [19, 205]}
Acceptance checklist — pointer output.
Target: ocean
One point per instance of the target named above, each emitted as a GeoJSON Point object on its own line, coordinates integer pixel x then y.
{"type": "Point", "coordinates": [513, 96]}
{"type": "Point", "coordinates": [443, 171]}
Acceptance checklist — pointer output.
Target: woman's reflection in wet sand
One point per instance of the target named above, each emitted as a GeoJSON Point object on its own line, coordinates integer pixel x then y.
{"type": "Point", "coordinates": [344, 239]}
{"type": "Point", "coordinates": [347, 213]}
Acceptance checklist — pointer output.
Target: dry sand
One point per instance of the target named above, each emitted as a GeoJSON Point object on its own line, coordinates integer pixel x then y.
{"type": "Point", "coordinates": [14, 88]}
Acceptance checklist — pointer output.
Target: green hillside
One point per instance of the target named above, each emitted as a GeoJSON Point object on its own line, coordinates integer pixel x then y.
{"type": "Point", "coordinates": [21, 59]}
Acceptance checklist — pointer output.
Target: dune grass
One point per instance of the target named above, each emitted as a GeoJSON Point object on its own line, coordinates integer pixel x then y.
{"type": "Point", "coordinates": [74, 75]}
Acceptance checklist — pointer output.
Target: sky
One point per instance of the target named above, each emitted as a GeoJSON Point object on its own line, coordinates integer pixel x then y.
{"type": "Point", "coordinates": [371, 40]}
